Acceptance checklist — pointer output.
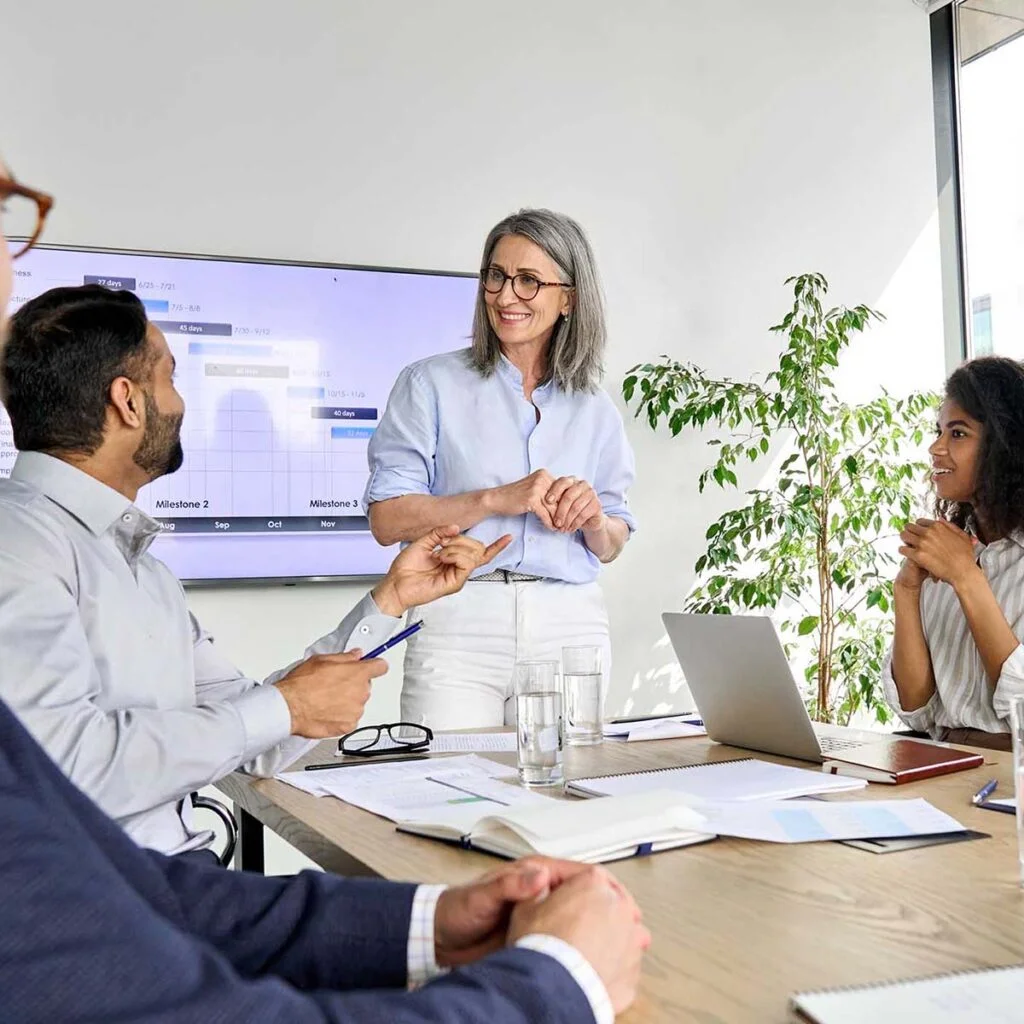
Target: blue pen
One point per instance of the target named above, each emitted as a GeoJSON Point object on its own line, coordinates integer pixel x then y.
{"type": "Point", "coordinates": [984, 793]}
{"type": "Point", "coordinates": [397, 639]}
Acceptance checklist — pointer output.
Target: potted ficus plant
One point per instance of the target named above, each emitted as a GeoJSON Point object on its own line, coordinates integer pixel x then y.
{"type": "Point", "coordinates": [812, 544]}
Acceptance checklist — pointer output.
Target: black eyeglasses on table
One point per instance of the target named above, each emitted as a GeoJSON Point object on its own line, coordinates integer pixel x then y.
{"type": "Point", "coordinates": [369, 741]}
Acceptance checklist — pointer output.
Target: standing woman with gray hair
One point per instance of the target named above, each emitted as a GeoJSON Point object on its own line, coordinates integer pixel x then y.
{"type": "Point", "coordinates": [512, 436]}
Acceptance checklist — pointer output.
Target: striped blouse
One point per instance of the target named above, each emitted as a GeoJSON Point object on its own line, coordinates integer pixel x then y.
{"type": "Point", "coordinates": [964, 698]}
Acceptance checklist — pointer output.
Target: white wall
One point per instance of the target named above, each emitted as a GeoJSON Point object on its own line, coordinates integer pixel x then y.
{"type": "Point", "coordinates": [711, 150]}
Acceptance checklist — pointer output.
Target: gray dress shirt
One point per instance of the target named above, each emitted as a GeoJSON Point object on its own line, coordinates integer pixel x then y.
{"type": "Point", "coordinates": [103, 663]}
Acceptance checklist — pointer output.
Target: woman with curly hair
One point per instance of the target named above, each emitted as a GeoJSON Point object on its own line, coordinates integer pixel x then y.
{"type": "Point", "coordinates": [956, 660]}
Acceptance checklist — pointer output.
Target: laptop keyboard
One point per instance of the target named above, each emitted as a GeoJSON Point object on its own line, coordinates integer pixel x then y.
{"type": "Point", "coordinates": [833, 744]}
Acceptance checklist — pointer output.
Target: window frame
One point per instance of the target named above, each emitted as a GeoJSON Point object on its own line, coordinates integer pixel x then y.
{"type": "Point", "coordinates": [949, 183]}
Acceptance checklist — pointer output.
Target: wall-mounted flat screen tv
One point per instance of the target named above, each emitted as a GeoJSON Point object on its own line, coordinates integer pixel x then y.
{"type": "Point", "coordinates": [285, 369]}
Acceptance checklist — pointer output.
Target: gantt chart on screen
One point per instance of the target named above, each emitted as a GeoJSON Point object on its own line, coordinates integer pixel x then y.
{"type": "Point", "coordinates": [285, 371]}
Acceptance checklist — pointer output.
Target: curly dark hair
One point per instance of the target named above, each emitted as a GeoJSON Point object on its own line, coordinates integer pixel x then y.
{"type": "Point", "coordinates": [990, 389]}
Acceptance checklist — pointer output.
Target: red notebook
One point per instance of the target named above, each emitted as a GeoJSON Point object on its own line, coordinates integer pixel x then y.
{"type": "Point", "coordinates": [897, 761]}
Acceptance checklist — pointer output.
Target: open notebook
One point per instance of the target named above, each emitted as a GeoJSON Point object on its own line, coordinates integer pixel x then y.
{"type": "Point", "coordinates": [592, 831]}
{"type": "Point", "coordinates": [744, 779]}
{"type": "Point", "coordinates": [994, 996]}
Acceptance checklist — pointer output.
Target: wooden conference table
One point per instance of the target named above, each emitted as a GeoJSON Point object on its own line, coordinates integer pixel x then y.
{"type": "Point", "coordinates": [737, 925]}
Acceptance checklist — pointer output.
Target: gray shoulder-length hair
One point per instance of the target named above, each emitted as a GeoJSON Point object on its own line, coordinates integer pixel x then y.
{"type": "Point", "coordinates": [577, 345]}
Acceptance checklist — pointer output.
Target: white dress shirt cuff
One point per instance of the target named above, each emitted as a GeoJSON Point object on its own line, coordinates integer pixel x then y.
{"type": "Point", "coordinates": [422, 963]}
{"type": "Point", "coordinates": [265, 719]}
{"type": "Point", "coordinates": [365, 627]}
{"type": "Point", "coordinates": [1010, 683]}
{"type": "Point", "coordinates": [579, 967]}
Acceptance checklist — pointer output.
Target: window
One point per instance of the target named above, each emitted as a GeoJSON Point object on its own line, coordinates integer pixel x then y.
{"type": "Point", "coordinates": [981, 326]}
{"type": "Point", "coordinates": [989, 48]}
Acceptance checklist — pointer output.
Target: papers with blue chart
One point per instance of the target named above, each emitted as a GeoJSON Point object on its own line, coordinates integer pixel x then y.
{"type": "Point", "coordinates": [814, 821]}
{"type": "Point", "coordinates": [446, 796]}
{"type": "Point", "coordinates": [405, 789]}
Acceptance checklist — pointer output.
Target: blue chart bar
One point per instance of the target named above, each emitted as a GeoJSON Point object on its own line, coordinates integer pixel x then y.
{"type": "Point", "coordinates": [114, 283]}
{"type": "Point", "coordinates": [335, 412]}
{"type": "Point", "coordinates": [220, 348]}
{"type": "Point", "coordinates": [297, 391]}
{"type": "Point", "coordinates": [155, 305]}
{"type": "Point", "coordinates": [193, 327]}
{"type": "Point", "coordinates": [352, 433]}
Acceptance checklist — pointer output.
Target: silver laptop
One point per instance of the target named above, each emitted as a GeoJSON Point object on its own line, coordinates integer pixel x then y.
{"type": "Point", "coordinates": [745, 691]}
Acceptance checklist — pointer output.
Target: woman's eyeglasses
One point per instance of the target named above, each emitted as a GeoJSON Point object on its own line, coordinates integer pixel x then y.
{"type": "Point", "coordinates": [525, 286]}
{"type": "Point", "coordinates": [23, 213]}
{"type": "Point", "coordinates": [371, 740]}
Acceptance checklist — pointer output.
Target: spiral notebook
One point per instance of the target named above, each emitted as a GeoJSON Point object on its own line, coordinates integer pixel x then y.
{"type": "Point", "coordinates": [993, 996]}
{"type": "Point", "coordinates": [742, 779]}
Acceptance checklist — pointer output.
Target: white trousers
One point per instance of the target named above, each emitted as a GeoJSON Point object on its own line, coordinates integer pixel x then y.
{"type": "Point", "coordinates": [459, 667]}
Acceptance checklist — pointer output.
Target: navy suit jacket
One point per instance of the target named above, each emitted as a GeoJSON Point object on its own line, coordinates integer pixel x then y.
{"type": "Point", "coordinates": [93, 928]}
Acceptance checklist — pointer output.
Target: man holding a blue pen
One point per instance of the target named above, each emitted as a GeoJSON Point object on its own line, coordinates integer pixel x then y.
{"type": "Point", "coordinates": [103, 663]}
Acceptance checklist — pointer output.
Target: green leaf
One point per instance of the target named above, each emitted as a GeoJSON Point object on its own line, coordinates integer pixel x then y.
{"type": "Point", "coordinates": [807, 625]}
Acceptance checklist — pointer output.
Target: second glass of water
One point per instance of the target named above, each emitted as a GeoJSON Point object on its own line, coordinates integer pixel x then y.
{"type": "Point", "coordinates": [582, 682]}
{"type": "Point", "coordinates": [538, 723]}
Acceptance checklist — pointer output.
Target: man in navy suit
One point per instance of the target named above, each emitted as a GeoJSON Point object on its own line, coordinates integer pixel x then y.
{"type": "Point", "coordinates": [97, 929]}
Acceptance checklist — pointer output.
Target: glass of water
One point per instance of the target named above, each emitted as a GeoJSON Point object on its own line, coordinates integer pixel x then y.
{"type": "Point", "coordinates": [538, 722]}
{"type": "Point", "coordinates": [582, 681]}
{"type": "Point", "coordinates": [1017, 728]}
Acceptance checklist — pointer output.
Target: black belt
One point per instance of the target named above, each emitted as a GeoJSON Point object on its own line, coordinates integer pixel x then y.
{"type": "Point", "coordinates": [506, 576]}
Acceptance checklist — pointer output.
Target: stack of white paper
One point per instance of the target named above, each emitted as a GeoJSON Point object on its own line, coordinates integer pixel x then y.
{"type": "Point", "coordinates": [656, 728]}
{"type": "Point", "coordinates": [451, 742]}
{"type": "Point", "coordinates": [456, 742]}
{"type": "Point", "coordinates": [744, 779]}
{"type": "Point", "coordinates": [404, 789]}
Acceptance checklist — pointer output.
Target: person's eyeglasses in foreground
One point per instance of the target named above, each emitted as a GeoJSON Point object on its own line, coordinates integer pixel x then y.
{"type": "Point", "coordinates": [23, 212]}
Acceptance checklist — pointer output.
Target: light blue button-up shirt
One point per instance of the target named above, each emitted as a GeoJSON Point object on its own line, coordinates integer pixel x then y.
{"type": "Point", "coordinates": [448, 430]}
